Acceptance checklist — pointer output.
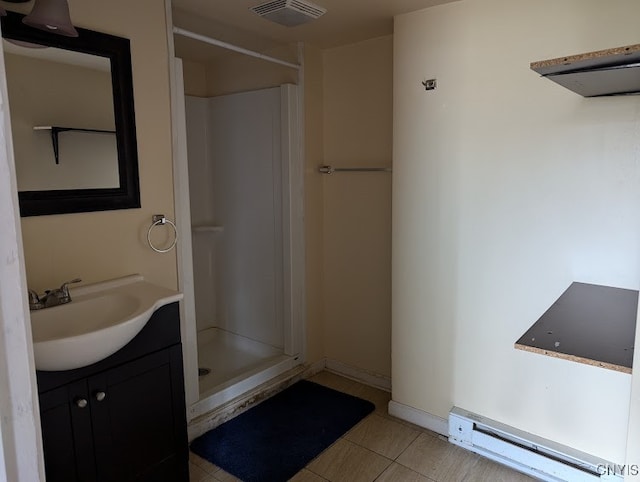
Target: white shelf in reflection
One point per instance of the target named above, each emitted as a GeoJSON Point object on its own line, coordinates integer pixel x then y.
{"type": "Point", "coordinates": [207, 228]}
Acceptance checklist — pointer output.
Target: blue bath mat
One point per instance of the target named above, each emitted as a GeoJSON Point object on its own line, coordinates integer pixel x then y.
{"type": "Point", "coordinates": [276, 439]}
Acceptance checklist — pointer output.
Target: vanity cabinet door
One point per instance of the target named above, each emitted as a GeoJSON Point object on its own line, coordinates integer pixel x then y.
{"type": "Point", "coordinates": [65, 416]}
{"type": "Point", "coordinates": [138, 416]}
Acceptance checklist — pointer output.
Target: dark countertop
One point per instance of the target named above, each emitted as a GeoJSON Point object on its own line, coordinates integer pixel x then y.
{"type": "Point", "coordinates": [589, 324]}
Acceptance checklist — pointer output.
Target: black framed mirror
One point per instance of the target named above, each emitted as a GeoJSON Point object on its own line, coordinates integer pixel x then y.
{"type": "Point", "coordinates": [47, 196]}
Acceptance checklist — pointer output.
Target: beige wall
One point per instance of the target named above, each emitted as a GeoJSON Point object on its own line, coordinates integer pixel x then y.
{"type": "Point", "coordinates": [314, 154]}
{"type": "Point", "coordinates": [240, 73]}
{"type": "Point", "coordinates": [508, 187]}
{"type": "Point", "coordinates": [103, 245]}
{"type": "Point", "coordinates": [234, 73]}
{"type": "Point", "coordinates": [47, 93]}
{"type": "Point", "coordinates": [357, 206]}
{"type": "Point", "coordinates": [195, 78]}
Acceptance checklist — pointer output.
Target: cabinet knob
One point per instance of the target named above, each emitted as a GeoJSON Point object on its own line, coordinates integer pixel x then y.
{"type": "Point", "coordinates": [100, 396]}
{"type": "Point", "coordinates": [81, 402]}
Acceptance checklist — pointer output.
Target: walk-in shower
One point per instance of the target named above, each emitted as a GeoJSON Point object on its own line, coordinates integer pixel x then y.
{"type": "Point", "coordinates": [240, 154]}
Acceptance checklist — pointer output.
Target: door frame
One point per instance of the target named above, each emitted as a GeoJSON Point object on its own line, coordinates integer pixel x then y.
{"type": "Point", "coordinates": [21, 456]}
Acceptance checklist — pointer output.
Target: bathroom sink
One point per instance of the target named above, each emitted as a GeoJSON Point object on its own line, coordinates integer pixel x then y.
{"type": "Point", "coordinates": [100, 319]}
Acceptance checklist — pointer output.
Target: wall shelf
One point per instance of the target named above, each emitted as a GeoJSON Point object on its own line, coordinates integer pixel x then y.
{"type": "Point", "coordinates": [207, 228]}
{"type": "Point", "coordinates": [602, 73]}
{"type": "Point", "coordinates": [589, 324]}
{"type": "Point", "coordinates": [56, 130]}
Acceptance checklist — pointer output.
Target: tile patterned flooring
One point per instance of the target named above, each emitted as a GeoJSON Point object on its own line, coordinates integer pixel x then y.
{"type": "Point", "coordinates": [381, 448]}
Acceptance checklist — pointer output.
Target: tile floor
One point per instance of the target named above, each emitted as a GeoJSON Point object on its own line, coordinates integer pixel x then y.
{"type": "Point", "coordinates": [381, 448]}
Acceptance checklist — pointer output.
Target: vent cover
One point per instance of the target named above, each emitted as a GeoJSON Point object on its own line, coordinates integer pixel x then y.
{"type": "Point", "coordinates": [289, 12]}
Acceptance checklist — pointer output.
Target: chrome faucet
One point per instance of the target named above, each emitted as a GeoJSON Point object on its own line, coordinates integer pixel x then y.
{"type": "Point", "coordinates": [34, 301]}
{"type": "Point", "coordinates": [58, 296]}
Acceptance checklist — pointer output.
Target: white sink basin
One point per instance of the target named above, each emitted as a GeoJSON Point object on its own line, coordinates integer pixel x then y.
{"type": "Point", "coordinates": [101, 319]}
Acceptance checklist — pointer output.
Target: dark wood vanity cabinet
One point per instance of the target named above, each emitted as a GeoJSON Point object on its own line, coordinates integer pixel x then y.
{"type": "Point", "coordinates": [122, 419]}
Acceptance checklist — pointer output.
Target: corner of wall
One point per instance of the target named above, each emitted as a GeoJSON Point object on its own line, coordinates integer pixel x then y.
{"type": "Point", "coordinates": [314, 199]}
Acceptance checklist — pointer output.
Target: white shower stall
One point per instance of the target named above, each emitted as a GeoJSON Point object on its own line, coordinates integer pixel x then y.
{"type": "Point", "coordinates": [242, 156]}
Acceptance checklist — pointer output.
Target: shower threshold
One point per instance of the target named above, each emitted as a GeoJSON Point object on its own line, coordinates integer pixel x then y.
{"type": "Point", "coordinates": [237, 364]}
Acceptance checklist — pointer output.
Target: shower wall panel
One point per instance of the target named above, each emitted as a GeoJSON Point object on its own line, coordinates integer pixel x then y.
{"type": "Point", "coordinates": [201, 201]}
{"type": "Point", "coordinates": [235, 181]}
{"type": "Point", "coordinates": [245, 148]}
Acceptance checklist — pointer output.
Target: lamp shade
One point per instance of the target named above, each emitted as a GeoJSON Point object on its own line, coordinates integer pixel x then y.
{"type": "Point", "coordinates": [51, 16]}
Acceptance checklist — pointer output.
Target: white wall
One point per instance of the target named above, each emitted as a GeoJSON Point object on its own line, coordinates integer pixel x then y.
{"type": "Point", "coordinates": [633, 434]}
{"type": "Point", "coordinates": [20, 436]}
{"type": "Point", "coordinates": [507, 188]}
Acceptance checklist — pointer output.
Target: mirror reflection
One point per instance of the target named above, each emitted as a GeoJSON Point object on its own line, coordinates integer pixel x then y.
{"type": "Point", "coordinates": [62, 119]}
{"type": "Point", "coordinates": [64, 113]}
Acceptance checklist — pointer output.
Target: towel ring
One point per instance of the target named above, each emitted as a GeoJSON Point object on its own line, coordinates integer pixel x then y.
{"type": "Point", "coordinates": [161, 220]}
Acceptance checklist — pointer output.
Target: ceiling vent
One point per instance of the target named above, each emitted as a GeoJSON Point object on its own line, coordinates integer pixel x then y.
{"type": "Point", "coordinates": [289, 12]}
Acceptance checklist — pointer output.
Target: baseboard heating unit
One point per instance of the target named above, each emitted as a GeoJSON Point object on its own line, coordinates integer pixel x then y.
{"type": "Point", "coordinates": [527, 453]}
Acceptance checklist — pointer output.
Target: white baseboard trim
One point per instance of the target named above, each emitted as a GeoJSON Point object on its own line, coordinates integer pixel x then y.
{"type": "Point", "coordinates": [316, 367]}
{"type": "Point", "coordinates": [364, 376]}
{"type": "Point", "coordinates": [419, 417]}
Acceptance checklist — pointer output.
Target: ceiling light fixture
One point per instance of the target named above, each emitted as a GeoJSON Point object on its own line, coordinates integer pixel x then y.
{"type": "Point", "coordinates": [51, 16]}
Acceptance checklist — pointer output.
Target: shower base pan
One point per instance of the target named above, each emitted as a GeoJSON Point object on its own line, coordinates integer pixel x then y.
{"type": "Point", "coordinates": [238, 365]}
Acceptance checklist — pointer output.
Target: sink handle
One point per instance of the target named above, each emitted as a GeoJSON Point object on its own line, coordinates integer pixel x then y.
{"type": "Point", "coordinates": [35, 303]}
{"type": "Point", "coordinates": [33, 297]}
{"type": "Point", "coordinates": [65, 287]}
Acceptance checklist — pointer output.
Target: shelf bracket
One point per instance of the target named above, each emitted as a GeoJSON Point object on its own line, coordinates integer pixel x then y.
{"type": "Point", "coordinates": [56, 130]}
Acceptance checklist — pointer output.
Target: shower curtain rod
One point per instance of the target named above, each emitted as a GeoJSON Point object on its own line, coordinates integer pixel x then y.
{"type": "Point", "coordinates": [235, 48]}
